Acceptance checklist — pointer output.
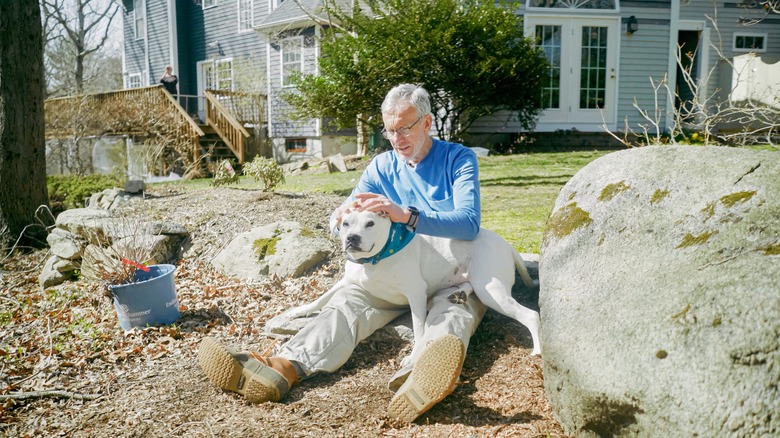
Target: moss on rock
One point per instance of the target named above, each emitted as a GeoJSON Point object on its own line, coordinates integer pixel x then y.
{"type": "Point", "coordinates": [735, 198]}
{"type": "Point", "coordinates": [564, 221]}
{"type": "Point", "coordinates": [612, 190]}
{"type": "Point", "coordinates": [690, 240]}
{"type": "Point", "coordinates": [772, 249]}
{"type": "Point", "coordinates": [658, 195]}
{"type": "Point", "coordinates": [265, 247]}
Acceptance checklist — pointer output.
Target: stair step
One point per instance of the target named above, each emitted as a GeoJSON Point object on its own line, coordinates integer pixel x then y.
{"type": "Point", "coordinates": [207, 129]}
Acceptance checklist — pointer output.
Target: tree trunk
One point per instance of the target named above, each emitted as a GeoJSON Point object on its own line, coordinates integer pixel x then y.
{"type": "Point", "coordinates": [362, 136]}
{"type": "Point", "coordinates": [22, 146]}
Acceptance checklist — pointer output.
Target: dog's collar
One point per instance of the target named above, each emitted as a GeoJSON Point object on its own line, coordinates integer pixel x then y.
{"type": "Point", "coordinates": [400, 236]}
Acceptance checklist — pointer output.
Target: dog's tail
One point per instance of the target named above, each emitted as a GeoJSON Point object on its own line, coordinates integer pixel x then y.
{"type": "Point", "coordinates": [520, 265]}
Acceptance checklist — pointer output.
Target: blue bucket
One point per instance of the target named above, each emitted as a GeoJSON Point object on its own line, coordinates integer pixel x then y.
{"type": "Point", "coordinates": [149, 300]}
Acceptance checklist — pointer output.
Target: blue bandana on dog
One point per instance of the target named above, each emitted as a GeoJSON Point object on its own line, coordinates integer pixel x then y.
{"type": "Point", "coordinates": [400, 236]}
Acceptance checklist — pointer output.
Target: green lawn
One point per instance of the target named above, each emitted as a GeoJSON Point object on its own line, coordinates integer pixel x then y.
{"type": "Point", "coordinates": [518, 191]}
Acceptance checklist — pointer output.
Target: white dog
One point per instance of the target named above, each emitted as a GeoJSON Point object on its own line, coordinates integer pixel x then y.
{"type": "Point", "coordinates": [429, 264]}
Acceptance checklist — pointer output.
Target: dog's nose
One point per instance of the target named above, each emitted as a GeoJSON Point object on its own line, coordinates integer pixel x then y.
{"type": "Point", "coordinates": [353, 239]}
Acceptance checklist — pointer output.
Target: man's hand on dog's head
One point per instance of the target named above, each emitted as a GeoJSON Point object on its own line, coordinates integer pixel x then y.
{"type": "Point", "coordinates": [340, 212]}
{"type": "Point", "coordinates": [368, 202]}
{"type": "Point", "coordinates": [380, 204]}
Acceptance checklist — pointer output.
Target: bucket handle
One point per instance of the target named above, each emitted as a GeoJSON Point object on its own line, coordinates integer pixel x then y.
{"type": "Point", "coordinates": [140, 266]}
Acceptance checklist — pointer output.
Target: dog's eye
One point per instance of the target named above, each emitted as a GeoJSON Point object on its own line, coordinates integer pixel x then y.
{"type": "Point", "coordinates": [370, 224]}
{"type": "Point", "coordinates": [344, 224]}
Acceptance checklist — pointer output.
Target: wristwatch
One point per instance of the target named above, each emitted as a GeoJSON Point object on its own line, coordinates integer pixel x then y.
{"type": "Point", "coordinates": [413, 217]}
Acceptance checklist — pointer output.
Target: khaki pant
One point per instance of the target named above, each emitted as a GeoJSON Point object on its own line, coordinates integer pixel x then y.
{"type": "Point", "coordinates": [327, 342]}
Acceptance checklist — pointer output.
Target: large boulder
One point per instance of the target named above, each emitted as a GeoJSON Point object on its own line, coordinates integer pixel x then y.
{"type": "Point", "coordinates": [105, 237]}
{"type": "Point", "coordinates": [660, 295]}
{"type": "Point", "coordinates": [284, 249]}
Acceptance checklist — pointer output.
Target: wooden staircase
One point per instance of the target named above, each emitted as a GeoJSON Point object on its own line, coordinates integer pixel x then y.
{"type": "Point", "coordinates": [151, 112]}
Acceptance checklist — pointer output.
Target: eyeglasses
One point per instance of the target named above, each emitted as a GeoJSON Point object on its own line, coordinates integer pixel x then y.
{"type": "Point", "coordinates": [402, 132]}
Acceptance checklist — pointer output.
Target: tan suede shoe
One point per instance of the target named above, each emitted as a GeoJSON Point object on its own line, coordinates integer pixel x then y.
{"type": "Point", "coordinates": [259, 379]}
{"type": "Point", "coordinates": [433, 377]}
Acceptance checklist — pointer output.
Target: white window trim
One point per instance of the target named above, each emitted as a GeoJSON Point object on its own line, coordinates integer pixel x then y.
{"type": "Point", "coordinates": [205, 6]}
{"type": "Point", "coordinates": [133, 76]}
{"type": "Point", "coordinates": [251, 16]}
{"type": "Point", "coordinates": [572, 9]}
{"type": "Point", "coordinates": [273, 4]}
{"type": "Point", "coordinates": [142, 7]}
{"type": "Point", "coordinates": [734, 47]}
{"type": "Point", "coordinates": [281, 58]}
{"type": "Point", "coordinates": [215, 66]}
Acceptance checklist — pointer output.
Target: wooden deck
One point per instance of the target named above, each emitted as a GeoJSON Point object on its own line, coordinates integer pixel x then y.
{"type": "Point", "coordinates": [152, 113]}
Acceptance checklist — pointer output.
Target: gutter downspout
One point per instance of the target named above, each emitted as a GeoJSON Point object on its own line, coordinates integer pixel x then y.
{"type": "Point", "coordinates": [674, 30]}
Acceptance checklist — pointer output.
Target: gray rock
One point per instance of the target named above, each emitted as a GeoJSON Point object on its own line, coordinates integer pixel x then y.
{"type": "Point", "coordinates": [81, 221]}
{"type": "Point", "coordinates": [110, 239]}
{"type": "Point", "coordinates": [168, 228]}
{"type": "Point", "coordinates": [135, 186]}
{"type": "Point", "coordinates": [336, 163]}
{"type": "Point", "coordinates": [660, 295]}
{"type": "Point", "coordinates": [64, 244]}
{"type": "Point", "coordinates": [295, 166]}
{"type": "Point", "coordinates": [56, 271]}
{"type": "Point", "coordinates": [108, 199]}
{"type": "Point", "coordinates": [280, 248]}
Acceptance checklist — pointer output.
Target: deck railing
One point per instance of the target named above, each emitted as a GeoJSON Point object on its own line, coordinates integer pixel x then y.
{"type": "Point", "coordinates": [114, 112]}
{"type": "Point", "coordinates": [227, 127]}
{"type": "Point", "coordinates": [146, 111]}
{"type": "Point", "coordinates": [153, 112]}
{"type": "Point", "coordinates": [244, 107]}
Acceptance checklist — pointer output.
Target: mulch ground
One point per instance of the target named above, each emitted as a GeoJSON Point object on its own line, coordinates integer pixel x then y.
{"type": "Point", "coordinates": [68, 369]}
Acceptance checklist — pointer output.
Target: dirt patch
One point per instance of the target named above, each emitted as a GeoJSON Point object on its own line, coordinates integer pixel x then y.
{"type": "Point", "coordinates": [148, 383]}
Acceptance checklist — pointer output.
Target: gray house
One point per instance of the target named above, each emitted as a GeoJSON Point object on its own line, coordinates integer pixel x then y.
{"type": "Point", "coordinates": [603, 56]}
{"type": "Point", "coordinates": [604, 53]}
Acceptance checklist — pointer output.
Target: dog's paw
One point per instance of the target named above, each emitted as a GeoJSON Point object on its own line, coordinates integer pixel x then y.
{"type": "Point", "coordinates": [458, 297]}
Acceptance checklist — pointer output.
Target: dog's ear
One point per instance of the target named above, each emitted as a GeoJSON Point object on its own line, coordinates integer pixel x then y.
{"type": "Point", "coordinates": [334, 226]}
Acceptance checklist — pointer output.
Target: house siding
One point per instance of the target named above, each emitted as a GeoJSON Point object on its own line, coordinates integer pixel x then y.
{"type": "Point", "coordinates": [159, 39]}
{"type": "Point", "coordinates": [729, 20]}
{"type": "Point", "coordinates": [133, 48]}
{"type": "Point", "coordinates": [643, 63]}
{"type": "Point", "coordinates": [281, 125]}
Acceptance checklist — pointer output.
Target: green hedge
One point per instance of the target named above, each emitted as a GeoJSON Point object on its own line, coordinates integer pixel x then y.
{"type": "Point", "coordinates": [73, 191]}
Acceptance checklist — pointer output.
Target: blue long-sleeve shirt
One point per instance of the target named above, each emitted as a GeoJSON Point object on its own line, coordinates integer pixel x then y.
{"type": "Point", "coordinates": [444, 187]}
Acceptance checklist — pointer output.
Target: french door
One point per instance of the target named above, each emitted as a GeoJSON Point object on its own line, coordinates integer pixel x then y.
{"type": "Point", "coordinates": [581, 85]}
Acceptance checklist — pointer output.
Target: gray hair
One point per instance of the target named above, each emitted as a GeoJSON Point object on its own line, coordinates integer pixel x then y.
{"type": "Point", "coordinates": [408, 94]}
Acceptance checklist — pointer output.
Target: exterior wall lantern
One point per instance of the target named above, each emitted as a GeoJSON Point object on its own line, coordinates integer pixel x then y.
{"type": "Point", "coordinates": [632, 25]}
{"type": "Point", "coordinates": [216, 45]}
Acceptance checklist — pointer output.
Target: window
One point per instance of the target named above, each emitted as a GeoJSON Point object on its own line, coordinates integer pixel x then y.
{"type": "Point", "coordinates": [219, 74]}
{"type": "Point", "coordinates": [139, 19]}
{"type": "Point", "coordinates": [244, 15]}
{"type": "Point", "coordinates": [548, 38]}
{"type": "Point", "coordinates": [573, 4]}
{"type": "Point", "coordinates": [276, 3]}
{"type": "Point", "coordinates": [593, 69]}
{"type": "Point", "coordinates": [749, 42]}
{"type": "Point", "coordinates": [292, 59]}
{"type": "Point", "coordinates": [134, 81]}
{"type": "Point", "coordinates": [295, 145]}
{"type": "Point", "coordinates": [209, 3]}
